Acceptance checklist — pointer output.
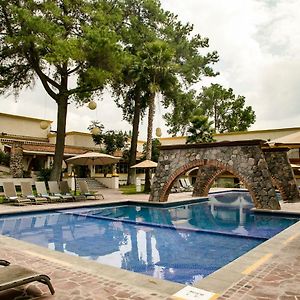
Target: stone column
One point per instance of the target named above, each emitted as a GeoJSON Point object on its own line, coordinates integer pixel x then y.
{"type": "Point", "coordinates": [16, 160]}
{"type": "Point", "coordinates": [282, 173]}
{"type": "Point", "coordinates": [204, 176]}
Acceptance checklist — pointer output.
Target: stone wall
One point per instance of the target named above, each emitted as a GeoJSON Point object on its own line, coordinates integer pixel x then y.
{"type": "Point", "coordinates": [204, 180]}
{"type": "Point", "coordinates": [16, 158]}
{"type": "Point", "coordinates": [282, 173]}
{"type": "Point", "coordinates": [243, 159]}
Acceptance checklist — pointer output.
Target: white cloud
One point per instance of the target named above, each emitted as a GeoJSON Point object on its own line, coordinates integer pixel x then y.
{"type": "Point", "coordinates": [259, 46]}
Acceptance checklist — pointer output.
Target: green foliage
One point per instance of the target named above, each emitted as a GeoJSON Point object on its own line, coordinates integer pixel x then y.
{"type": "Point", "coordinates": [112, 140]}
{"type": "Point", "coordinates": [130, 189]}
{"type": "Point", "coordinates": [155, 150]}
{"type": "Point", "coordinates": [55, 40]}
{"type": "Point", "coordinates": [227, 111]}
{"type": "Point", "coordinates": [164, 57]}
{"type": "Point", "coordinates": [26, 174]}
{"type": "Point", "coordinates": [4, 158]}
{"type": "Point", "coordinates": [200, 130]}
{"type": "Point", "coordinates": [178, 120]}
{"type": "Point", "coordinates": [44, 174]}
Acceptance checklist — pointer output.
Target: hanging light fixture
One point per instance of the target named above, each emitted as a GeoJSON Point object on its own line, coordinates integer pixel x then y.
{"type": "Point", "coordinates": [95, 131]}
{"type": "Point", "coordinates": [92, 105]}
{"type": "Point", "coordinates": [44, 125]}
{"type": "Point", "coordinates": [158, 132]}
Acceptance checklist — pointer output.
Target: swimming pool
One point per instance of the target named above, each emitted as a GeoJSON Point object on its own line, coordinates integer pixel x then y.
{"type": "Point", "coordinates": [182, 244]}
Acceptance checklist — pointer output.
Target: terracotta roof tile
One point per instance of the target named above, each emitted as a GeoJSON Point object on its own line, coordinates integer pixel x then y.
{"type": "Point", "coordinates": [50, 148]}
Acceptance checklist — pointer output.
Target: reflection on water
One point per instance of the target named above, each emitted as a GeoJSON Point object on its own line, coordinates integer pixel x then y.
{"type": "Point", "coordinates": [174, 254]}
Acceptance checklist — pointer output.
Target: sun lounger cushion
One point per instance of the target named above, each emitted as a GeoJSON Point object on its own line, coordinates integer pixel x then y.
{"type": "Point", "coordinates": [13, 275]}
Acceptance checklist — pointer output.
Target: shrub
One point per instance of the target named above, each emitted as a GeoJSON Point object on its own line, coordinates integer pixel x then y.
{"type": "Point", "coordinates": [44, 174]}
{"type": "Point", "coordinates": [4, 158]}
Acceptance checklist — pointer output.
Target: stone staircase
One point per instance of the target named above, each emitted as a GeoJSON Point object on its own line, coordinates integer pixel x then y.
{"type": "Point", "coordinates": [92, 183]}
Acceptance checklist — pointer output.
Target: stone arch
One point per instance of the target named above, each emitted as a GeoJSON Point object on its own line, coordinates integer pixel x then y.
{"type": "Point", "coordinates": [244, 159]}
{"type": "Point", "coordinates": [205, 178]}
{"type": "Point", "coordinates": [200, 163]}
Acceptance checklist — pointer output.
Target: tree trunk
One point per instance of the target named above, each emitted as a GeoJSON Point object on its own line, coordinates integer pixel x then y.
{"type": "Point", "coordinates": [149, 141]}
{"type": "Point", "coordinates": [134, 138]}
{"type": "Point", "coordinates": [62, 105]}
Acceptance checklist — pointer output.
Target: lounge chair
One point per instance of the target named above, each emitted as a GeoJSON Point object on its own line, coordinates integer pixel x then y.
{"type": "Point", "coordinates": [26, 189]}
{"type": "Point", "coordinates": [13, 275]}
{"type": "Point", "coordinates": [177, 188]}
{"type": "Point", "coordinates": [85, 191]}
{"type": "Point", "coordinates": [11, 194]}
{"type": "Point", "coordinates": [188, 184]}
{"type": "Point", "coordinates": [65, 190]}
{"type": "Point", "coordinates": [54, 191]}
{"type": "Point", "coordinates": [184, 185]}
{"type": "Point", "coordinates": [42, 192]}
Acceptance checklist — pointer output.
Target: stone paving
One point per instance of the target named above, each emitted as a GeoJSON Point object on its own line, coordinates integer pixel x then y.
{"type": "Point", "coordinates": [69, 283]}
{"type": "Point", "coordinates": [277, 278]}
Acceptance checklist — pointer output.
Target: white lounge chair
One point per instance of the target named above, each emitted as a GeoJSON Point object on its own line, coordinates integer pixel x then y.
{"type": "Point", "coordinates": [11, 195]}
{"type": "Point", "coordinates": [42, 192]}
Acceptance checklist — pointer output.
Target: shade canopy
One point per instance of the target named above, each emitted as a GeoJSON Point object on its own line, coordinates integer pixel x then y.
{"type": "Point", "coordinates": [93, 158]}
{"type": "Point", "coordinates": [145, 164]}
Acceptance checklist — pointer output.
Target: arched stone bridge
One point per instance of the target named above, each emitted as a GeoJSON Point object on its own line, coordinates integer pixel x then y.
{"type": "Point", "coordinates": [259, 167]}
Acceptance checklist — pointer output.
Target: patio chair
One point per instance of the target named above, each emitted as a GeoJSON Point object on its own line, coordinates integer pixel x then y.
{"type": "Point", "coordinates": [12, 276]}
{"type": "Point", "coordinates": [54, 191]}
{"type": "Point", "coordinates": [42, 192]}
{"type": "Point", "coordinates": [184, 185]}
{"type": "Point", "coordinates": [177, 188]}
{"type": "Point", "coordinates": [188, 184]}
{"type": "Point", "coordinates": [26, 189]}
{"type": "Point", "coordinates": [65, 190]}
{"type": "Point", "coordinates": [11, 194]}
{"type": "Point", "coordinates": [85, 191]}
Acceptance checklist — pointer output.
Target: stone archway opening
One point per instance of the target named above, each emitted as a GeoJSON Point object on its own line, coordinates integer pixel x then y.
{"type": "Point", "coordinates": [208, 171]}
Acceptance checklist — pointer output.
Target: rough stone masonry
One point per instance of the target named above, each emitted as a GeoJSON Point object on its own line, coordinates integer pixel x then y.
{"type": "Point", "coordinates": [260, 170]}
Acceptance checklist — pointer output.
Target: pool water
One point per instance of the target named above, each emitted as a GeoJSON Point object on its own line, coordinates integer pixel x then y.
{"type": "Point", "coordinates": [181, 244]}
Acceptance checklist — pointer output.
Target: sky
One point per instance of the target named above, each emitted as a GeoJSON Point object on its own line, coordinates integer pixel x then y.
{"type": "Point", "coordinates": [258, 42]}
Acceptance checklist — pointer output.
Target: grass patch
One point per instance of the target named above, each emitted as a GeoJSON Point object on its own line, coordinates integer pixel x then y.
{"type": "Point", "coordinates": [130, 189]}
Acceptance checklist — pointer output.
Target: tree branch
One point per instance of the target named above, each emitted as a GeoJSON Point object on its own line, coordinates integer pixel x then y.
{"type": "Point", "coordinates": [83, 90]}
{"type": "Point", "coordinates": [74, 70]}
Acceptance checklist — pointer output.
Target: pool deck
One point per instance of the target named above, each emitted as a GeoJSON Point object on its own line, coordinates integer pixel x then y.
{"type": "Point", "coordinates": [269, 271]}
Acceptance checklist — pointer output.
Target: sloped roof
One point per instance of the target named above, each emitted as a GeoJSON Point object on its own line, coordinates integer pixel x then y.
{"type": "Point", "coordinates": [50, 148]}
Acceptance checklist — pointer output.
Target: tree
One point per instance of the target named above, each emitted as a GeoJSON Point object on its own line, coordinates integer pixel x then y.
{"type": "Point", "coordinates": [154, 150]}
{"type": "Point", "coordinates": [71, 47]}
{"type": "Point", "coordinates": [163, 57]}
{"type": "Point", "coordinates": [200, 130]}
{"type": "Point", "coordinates": [178, 120]}
{"type": "Point", "coordinates": [227, 111]}
{"type": "Point", "coordinates": [145, 18]}
{"type": "Point", "coordinates": [112, 140]}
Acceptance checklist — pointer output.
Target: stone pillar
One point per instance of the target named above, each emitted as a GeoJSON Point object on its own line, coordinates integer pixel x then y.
{"type": "Point", "coordinates": [16, 160]}
{"type": "Point", "coordinates": [204, 176]}
{"type": "Point", "coordinates": [282, 173]}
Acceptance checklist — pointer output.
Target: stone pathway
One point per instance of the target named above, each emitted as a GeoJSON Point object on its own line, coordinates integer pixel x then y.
{"type": "Point", "coordinates": [278, 278]}
{"type": "Point", "coordinates": [69, 283]}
